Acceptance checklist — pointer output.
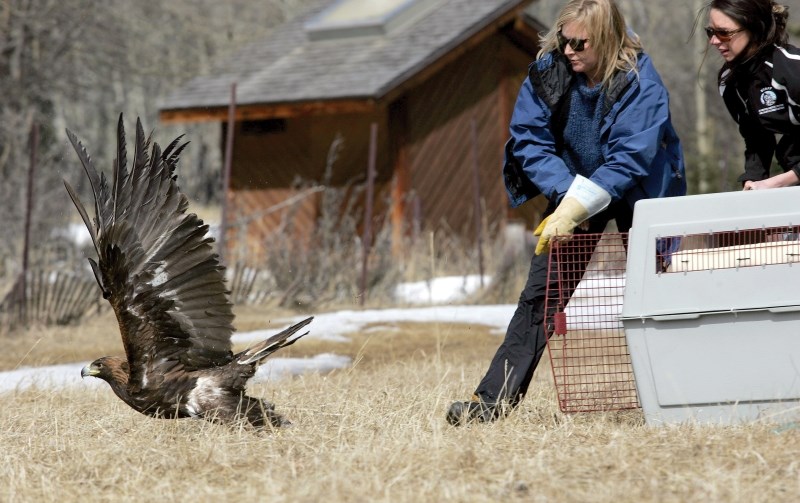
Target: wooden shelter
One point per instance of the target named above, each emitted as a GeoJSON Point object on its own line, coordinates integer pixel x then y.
{"type": "Point", "coordinates": [437, 77]}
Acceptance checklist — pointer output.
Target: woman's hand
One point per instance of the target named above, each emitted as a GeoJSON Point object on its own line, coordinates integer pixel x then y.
{"type": "Point", "coordinates": [783, 180]}
{"type": "Point", "coordinates": [759, 185]}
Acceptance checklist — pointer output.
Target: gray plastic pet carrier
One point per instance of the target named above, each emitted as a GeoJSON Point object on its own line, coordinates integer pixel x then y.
{"type": "Point", "coordinates": [711, 310]}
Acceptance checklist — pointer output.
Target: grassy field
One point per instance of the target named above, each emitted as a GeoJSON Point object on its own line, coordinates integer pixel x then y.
{"type": "Point", "coordinates": [373, 432]}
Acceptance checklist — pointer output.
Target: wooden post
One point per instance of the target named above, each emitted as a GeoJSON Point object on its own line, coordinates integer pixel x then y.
{"type": "Point", "coordinates": [701, 130]}
{"type": "Point", "coordinates": [22, 286]}
{"type": "Point", "coordinates": [398, 121]}
{"type": "Point", "coordinates": [477, 198]}
{"type": "Point", "coordinates": [416, 219]}
{"type": "Point", "coordinates": [226, 175]}
{"type": "Point", "coordinates": [373, 150]}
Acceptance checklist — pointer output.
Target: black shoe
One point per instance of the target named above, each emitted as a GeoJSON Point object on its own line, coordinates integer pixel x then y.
{"type": "Point", "coordinates": [476, 411]}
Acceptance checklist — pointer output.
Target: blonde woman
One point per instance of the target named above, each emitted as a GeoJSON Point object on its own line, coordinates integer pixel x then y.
{"type": "Point", "coordinates": [591, 131]}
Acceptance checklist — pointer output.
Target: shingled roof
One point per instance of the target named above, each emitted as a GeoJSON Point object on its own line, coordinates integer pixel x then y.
{"type": "Point", "coordinates": [290, 66]}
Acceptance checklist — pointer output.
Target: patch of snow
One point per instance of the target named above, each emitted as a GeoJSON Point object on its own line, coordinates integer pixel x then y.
{"type": "Point", "coordinates": [334, 326]}
{"type": "Point", "coordinates": [50, 377]}
{"type": "Point", "coordinates": [277, 368]}
{"type": "Point", "coordinates": [55, 377]}
{"type": "Point", "coordinates": [441, 290]}
{"type": "Point", "coordinates": [326, 326]}
{"type": "Point", "coordinates": [75, 233]}
{"type": "Point", "coordinates": [586, 308]}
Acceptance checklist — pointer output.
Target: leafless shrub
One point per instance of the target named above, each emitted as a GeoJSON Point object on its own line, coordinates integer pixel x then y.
{"type": "Point", "coordinates": [327, 269]}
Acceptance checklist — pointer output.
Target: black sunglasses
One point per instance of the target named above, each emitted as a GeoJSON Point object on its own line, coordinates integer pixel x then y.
{"type": "Point", "coordinates": [722, 35]}
{"type": "Point", "coordinates": [577, 44]}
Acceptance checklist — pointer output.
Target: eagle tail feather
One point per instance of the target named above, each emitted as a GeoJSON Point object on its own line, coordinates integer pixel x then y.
{"type": "Point", "coordinates": [258, 352]}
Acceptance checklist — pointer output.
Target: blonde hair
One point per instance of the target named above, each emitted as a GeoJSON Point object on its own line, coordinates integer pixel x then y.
{"type": "Point", "coordinates": [615, 46]}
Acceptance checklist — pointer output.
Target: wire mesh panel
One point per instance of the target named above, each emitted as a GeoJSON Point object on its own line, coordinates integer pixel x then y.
{"type": "Point", "coordinates": [586, 342]}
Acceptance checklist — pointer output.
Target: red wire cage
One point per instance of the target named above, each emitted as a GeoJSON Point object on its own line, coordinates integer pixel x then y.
{"type": "Point", "coordinates": [586, 341]}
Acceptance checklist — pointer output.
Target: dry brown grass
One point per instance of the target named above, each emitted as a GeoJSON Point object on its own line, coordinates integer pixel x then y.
{"type": "Point", "coordinates": [48, 345]}
{"type": "Point", "coordinates": [376, 432]}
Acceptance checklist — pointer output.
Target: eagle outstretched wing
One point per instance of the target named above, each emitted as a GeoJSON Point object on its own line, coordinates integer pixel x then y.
{"type": "Point", "coordinates": [156, 265]}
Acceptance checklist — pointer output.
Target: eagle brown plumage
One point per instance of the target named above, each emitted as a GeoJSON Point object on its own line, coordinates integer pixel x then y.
{"type": "Point", "coordinates": [157, 269]}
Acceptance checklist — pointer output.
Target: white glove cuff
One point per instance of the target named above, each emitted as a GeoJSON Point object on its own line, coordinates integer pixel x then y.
{"type": "Point", "coordinates": [591, 196]}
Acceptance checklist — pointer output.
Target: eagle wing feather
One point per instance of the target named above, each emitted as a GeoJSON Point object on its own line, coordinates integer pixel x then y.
{"type": "Point", "coordinates": [156, 264]}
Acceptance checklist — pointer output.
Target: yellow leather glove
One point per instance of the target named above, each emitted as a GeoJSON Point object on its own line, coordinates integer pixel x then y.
{"type": "Point", "coordinates": [562, 222]}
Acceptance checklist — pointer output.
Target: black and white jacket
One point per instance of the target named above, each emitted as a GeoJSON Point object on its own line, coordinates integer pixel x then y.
{"type": "Point", "coordinates": [763, 96]}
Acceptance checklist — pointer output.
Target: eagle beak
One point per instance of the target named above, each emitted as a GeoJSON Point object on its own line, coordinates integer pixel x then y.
{"type": "Point", "coordinates": [88, 370]}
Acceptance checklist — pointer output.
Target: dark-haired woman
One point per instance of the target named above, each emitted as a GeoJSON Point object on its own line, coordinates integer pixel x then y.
{"type": "Point", "coordinates": [760, 84]}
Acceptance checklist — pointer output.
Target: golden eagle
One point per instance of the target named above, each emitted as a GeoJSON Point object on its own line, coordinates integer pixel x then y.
{"type": "Point", "coordinates": [157, 269]}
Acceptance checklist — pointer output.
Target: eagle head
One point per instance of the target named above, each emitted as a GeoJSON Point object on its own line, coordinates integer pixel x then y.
{"type": "Point", "coordinates": [107, 368]}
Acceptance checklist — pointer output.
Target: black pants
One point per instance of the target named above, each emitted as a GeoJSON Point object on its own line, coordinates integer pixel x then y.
{"type": "Point", "coordinates": [512, 367]}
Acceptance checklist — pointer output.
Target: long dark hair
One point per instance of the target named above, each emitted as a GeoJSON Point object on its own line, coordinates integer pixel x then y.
{"type": "Point", "coordinates": [763, 19]}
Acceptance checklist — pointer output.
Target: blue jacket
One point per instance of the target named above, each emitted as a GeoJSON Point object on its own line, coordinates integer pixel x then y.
{"type": "Point", "coordinates": [642, 153]}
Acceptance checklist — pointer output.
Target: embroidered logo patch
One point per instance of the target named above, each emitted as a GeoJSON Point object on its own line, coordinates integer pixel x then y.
{"type": "Point", "coordinates": [768, 97]}
{"type": "Point", "coordinates": [769, 101]}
